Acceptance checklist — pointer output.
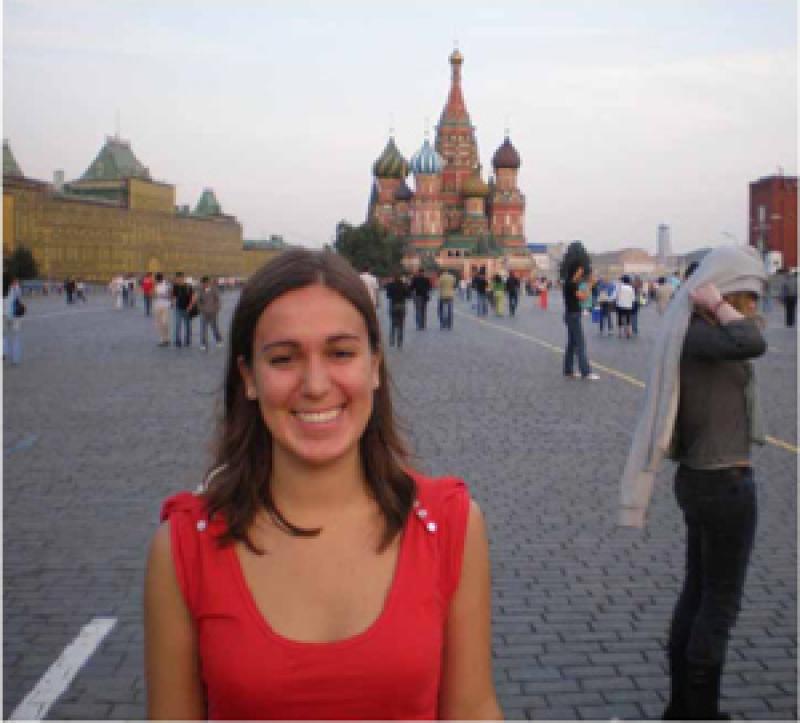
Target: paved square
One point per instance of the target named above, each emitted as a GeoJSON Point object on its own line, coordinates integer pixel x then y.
{"type": "Point", "coordinates": [100, 425]}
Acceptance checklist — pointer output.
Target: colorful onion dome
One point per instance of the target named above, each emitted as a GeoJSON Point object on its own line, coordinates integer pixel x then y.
{"type": "Point", "coordinates": [390, 163]}
{"type": "Point", "coordinates": [474, 187]}
{"type": "Point", "coordinates": [426, 160]}
{"type": "Point", "coordinates": [403, 192]}
{"type": "Point", "coordinates": [506, 156]}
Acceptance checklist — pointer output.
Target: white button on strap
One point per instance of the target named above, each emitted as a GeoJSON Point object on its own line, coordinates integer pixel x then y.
{"type": "Point", "coordinates": [431, 527]}
{"type": "Point", "coordinates": [201, 525]}
{"type": "Point", "coordinates": [422, 513]}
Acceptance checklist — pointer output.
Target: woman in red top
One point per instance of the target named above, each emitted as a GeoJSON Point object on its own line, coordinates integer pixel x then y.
{"type": "Point", "coordinates": [314, 575]}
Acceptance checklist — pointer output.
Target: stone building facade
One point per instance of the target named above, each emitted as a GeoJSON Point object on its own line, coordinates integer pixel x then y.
{"type": "Point", "coordinates": [773, 216]}
{"type": "Point", "coordinates": [452, 217]}
{"type": "Point", "coordinates": [115, 219]}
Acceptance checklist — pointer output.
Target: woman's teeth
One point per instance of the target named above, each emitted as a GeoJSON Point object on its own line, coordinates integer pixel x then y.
{"type": "Point", "coordinates": [318, 417]}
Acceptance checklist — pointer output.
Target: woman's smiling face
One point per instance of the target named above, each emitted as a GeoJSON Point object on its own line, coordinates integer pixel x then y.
{"type": "Point", "coordinates": [313, 374]}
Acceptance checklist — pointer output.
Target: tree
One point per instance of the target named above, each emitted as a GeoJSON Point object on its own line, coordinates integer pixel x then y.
{"type": "Point", "coordinates": [20, 264]}
{"type": "Point", "coordinates": [369, 246]}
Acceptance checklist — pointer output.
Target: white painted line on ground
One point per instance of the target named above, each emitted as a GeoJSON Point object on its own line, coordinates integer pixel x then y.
{"type": "Point", "coordinates": [54, 683]}
{"type": "Point", "coordinates": [774, 441]}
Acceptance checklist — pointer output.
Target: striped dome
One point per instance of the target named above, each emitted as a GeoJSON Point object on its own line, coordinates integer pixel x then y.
{"type": "Point", "coordinates": [474, 187]}
{"type": "Point", "coordinates": [506, 156]}
{"type": "Point", "coordinates": [426, 160]}
{"type": "Point", "coordinates": [390, 163]}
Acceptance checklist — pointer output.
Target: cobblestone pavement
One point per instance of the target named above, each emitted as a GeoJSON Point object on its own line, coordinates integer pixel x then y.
{"type": "Point", "coordinates": [101, 425]}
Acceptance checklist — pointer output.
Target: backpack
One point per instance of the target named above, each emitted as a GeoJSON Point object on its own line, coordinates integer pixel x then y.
{"type": "Point", "coordinates": [18, 308]}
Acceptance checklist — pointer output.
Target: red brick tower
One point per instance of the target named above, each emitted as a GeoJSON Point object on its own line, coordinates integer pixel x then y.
{"type": "Point", "coordinates": [507, 202]}
{"type": "Point", "coordinates": [776, 225]}
{"type": "Point", "coordinates": [455, 141]}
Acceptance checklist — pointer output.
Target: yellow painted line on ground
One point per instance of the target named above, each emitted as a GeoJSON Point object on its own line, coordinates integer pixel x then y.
{"type": "Point", "coordinates": [608, 370]}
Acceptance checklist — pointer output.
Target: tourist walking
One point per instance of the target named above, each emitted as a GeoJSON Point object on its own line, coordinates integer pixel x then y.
{"type": "Point", "coordinates": [481, 285]}
{"type": "Point", "coordinates": [544, 291]}
{"type": "Point", "coordinates": [701, 409]}
{"type": "Point", "coordinates": [80, 291]}
{"type": "Point", "coordinates": [13, 310]}
{"type": "Point", "coordinates": [162, 293]}
{"type": "Point", "coordinates": [638, 300]}
{"type": "Point", "coordinates": [183, 299]}
{"type": "Point", "coordinates": [116, 287]}
{"type": "Point", "coordinates": [397, 291]}
{"type": "Point", "coordinates": [208, 305]}
{"type": "Point", "coordinates": [447, 287]}
{"type": "Point", "coordinates": [310, 478]}
{"type": "Point", "coordinates": [606, 300]}
{"type": "Point", "coordinates": [148, 286]}
{"type": "Point", "coordinates": [130, 282]}
{"type": "Point", "coordinates": [421, 291]}
{"type": "Point", "coordinates": [512, 290]}
{"type": "Point", "coordinates": [625, 300]}
{"type": "Point", "coordinates": [573, 313]}
{"type": "Point", "coordinates": [789, 295]}
{"type": "Point", "coordinates": [498, 295]}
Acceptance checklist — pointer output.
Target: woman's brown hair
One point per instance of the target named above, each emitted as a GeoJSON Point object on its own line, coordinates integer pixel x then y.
{"type": "Point", "coordinates": [239, 480]}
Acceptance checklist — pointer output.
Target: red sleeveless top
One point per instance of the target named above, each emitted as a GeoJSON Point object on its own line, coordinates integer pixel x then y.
{"type": "Point", "coordinates": [391, 670]}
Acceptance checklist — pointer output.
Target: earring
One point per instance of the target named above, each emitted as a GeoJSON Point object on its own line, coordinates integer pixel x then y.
{"type": "Point", "coordinates": [251, 393]}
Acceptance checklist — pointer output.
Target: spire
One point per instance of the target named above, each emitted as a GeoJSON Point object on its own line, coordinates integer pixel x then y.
{"type": "Point", "coordinates": [455, 110]}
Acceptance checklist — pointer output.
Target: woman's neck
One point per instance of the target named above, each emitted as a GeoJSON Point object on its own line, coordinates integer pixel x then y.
{"type": "Point", "coordinates": [307, 494]}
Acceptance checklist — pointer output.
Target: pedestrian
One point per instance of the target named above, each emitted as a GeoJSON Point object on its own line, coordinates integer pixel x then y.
{"type": "Point", "coordinates": [148, 286]}
{"type": "Point", "coordinates": [397, 291]}
{"type": "Point", "coordinates": [604, 303]}
{"type": "Point", "coordinates": [576, 344]}
{"type": "Point", "coordinates": [789, 295]}
{"type": "Point", "coordinates": [638, 300]}
{"type": "Point", "coordinates": [208, 305]}
{"type": "Point", "coordinates": [701, 409]}
{"type": "Point", "coordinates": [80, 291]}
{"type": "Point", "coordinates": [124, 282]}
{"type": "Point", "coordinates": [372, 285]}
{"type": "Point", "coordinates": [183, 300]}
{"type": "Point", "coordinates": [447, 285]}
{"type": "Point", "coordinates": [625, 300]}
{"type": "Point", "coordinates": [69, 290]}
{"type": "Point", "coordinates": [13, 309]}
{"type": "Point", "coordinates": [116, 286]}
{"type": "Point", "coordinates": [544, 290]}
{"type": "Point", "coordinates": [664, 292]}
{"type": "Point", "coordinates": [421, 292]}
{"type": "Point", "coordinates": [512, 291]}
{"type": "Point", "coordinates": [162, 293]}
{"type": "Point", "coordinates": [310, 483]}
{"type": "Point", "coordinates": [463, 288]}
{"type": "Point", "coordinates": [481, 285]}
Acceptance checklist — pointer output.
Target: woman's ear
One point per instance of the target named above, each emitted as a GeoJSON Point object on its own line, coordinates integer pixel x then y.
{"type": "Point", "coordinates": [248, 378]}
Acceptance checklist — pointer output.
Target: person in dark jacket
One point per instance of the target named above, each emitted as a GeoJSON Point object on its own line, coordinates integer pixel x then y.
{"type": "Point", "coordinates": [789, 295]}
{"type": "Point", "coordinates": [421, 291]}
{"type": "Point", "coordinates": [512, 291]}
{"type": "Point", "coordinates": [397, 292]}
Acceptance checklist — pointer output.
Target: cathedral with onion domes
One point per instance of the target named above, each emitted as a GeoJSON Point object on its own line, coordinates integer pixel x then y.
{"type": "Point", "coordinates": [452, 217]}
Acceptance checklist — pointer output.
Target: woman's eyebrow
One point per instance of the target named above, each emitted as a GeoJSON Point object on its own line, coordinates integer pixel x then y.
{"type": "Point", "coordinates": [333, 339]}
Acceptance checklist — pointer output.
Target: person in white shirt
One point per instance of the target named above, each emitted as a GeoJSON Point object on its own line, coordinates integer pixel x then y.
{"type": "Point", "coordinates": [161, 305]}
{"type": "Point", "coordinates": [626, 295]}
{"type": "Point", "coordinates": [372, 286]}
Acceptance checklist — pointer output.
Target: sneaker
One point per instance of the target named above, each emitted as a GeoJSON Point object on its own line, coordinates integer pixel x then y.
{"type": "Point", "coordinates": [203, 347]}
{"type": "Point", "coordinates": [591, 376]}
{"type": "Point", "coordinates": [573, 375]}
{"type": "Point", "coordinates": [220, 344]}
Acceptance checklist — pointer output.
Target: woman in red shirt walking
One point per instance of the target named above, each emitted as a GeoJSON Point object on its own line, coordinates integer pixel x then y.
{"type": "Point", "coordinates": [314, 575]}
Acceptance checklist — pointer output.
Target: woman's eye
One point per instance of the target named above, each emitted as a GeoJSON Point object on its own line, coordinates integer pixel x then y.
{"type": "Point", "coordinates": [278, 360]}
{"type": "Point", "coordinates": [343, 354]}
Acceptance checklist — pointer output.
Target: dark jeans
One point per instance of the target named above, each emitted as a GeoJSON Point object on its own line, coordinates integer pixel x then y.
{"type": "Point", "coordinates": [605, 316]}
{"type": "Point", "coordinates": [719, 507]}
{"type": "Point", "coordinates": [446, 313]}
{"type": "Point", "coordinates": [398, 319]}
{"type": "Point", "coordinates": [148, 304]}
{"type": "Point", "coordinates": [635, 317]}
{"type": "Point", "coordinates": [576, 345]}
{"type": "Point", "coordinates": [207, 321]}
{"type": "Point", "coordinates": [790, 303]}
{"type": "Point", "coordinates": [513, 300]}
{"type": "Point", "coordinates": [182, 319]}
{"type": "Point", "coordinates": [421, 310]}
{"type": "Point", "coordinates": [483, 305]}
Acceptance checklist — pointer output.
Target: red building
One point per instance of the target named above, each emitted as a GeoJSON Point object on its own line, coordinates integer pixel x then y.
{"type": "Point", "coordinates": [773, 216]}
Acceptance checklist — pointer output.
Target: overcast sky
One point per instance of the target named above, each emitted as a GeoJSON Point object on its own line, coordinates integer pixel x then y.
{"type": "Point", "coordinates": [626, 114]}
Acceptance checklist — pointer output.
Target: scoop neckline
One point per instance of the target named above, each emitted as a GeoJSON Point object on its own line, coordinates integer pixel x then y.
{"type": "Point", "coordinates": [379, 622]}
